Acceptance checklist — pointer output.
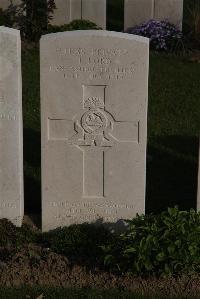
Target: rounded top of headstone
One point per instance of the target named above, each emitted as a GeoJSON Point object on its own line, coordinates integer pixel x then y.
{"type": "Point", "coordinates": [9, 30]}
{"type": "Point", "coordinates": [97, 33]}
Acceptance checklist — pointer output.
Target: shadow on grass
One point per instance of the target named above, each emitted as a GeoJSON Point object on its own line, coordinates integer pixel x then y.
{"type": "Point", "coordinates": [172, 169]}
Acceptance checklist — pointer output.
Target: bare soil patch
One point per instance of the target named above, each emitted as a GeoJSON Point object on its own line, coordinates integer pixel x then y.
{"type": "Point", "coordinates": [34, 264]}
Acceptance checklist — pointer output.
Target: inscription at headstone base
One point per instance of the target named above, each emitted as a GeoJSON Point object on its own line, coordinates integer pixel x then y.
{"type": "Point", "coordinates": [94, 124]}
{"type": "Point", "coordinates": [11, 148]}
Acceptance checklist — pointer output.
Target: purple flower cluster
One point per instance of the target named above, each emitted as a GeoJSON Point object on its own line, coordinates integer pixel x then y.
{"type": "Point", "coordinates": [162, 34]}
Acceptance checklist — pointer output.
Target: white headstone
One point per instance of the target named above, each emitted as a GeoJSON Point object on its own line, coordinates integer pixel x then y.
{"type": "Point", "coordinates": [75, 10]}
{"type": "Point", "coordinates": [94, 11]}
{"type": "Point", "coordinates": [62, 13]}
{"type": "Point", "coordinates": [4, 4]}
{"type": "Point", "coordinates": [69, 10]}
{"type": "Point", "coordinates": [94, 93]}
{"type": "Point", "coordinates": [11, 146]}
{"type": "Point", "coordinates": [171, 10]}
{"type": "Point", "coordinates": [137, 12]}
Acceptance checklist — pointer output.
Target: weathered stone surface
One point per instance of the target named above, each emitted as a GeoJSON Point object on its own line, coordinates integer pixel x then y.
{"type": "Point", "coordinates": [62, 13]}
{"type": "Point", "coordinates": [69, 10]}
{"type": "Point", "coordinates": [5, 3]}
{"type": "Point", "coordinates": [66, 11]}
{"type": "Point", "coordinates": [75, 10]}
{"type": "Point", "coordinates": [94, 92]}
{"type": "Point", "coordinates": [137, 12]}
{"type": "Point", "coordinates": [95, 11]}
{"type": "Point", "coordinates": [11, 148]}
{"type": "Point", "coordinates": [171, 10]}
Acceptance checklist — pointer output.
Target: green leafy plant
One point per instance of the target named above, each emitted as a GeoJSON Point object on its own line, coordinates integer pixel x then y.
{"type": "Point", "coordinates": [74, 25]}
{"type": "Point", "coordinates": [15, 236]}
{"type": "Point", "coordinates": [83, 241]}
{"type": "Point", "coordinates": [30, 16]}
{"type": "Point", "coordinates": [164, 245]}
{"type": "Point", "coordinates": [33, 17]}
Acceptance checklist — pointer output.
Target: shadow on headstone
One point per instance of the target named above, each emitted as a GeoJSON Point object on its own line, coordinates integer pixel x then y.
{"type": "Point", "coordinates": [115, 15]}
{"type": "Point", "coordinates": [172, 166]}
{"type": "Point", "coordinates": [32, 168]}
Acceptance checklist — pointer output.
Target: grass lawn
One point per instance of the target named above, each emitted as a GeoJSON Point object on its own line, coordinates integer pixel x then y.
{"type": "Point", "coordinates": [59, 293]}
{"type": "Point", "coordinates": [173, 130]}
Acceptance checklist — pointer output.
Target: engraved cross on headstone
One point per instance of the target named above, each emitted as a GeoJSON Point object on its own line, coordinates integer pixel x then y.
{"type": "Point", "coordinates": [96, 131]}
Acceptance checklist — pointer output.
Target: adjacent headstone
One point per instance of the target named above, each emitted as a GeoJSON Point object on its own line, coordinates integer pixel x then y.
{"type": "Point", "coordinates": [69, 10]}
{"type": "Point", "coordinates": [11, 146]}
{"type": "Point", "coordinates": [62, 13]}
{"type": "Point", "coordinates": [4, 4]}
{"type": "Point", "coordinates": [171, 10]}
{"type": "Point", "coordinates": [137, 12]}
{"type": "Point", "coordinates": [75, 10]}
{"type": "Point", "coordinates": [94, 92]}
{"type": "Point", "coordinates": [95, 11]}
{"type": "Point", "coordinates": [66, 11]}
